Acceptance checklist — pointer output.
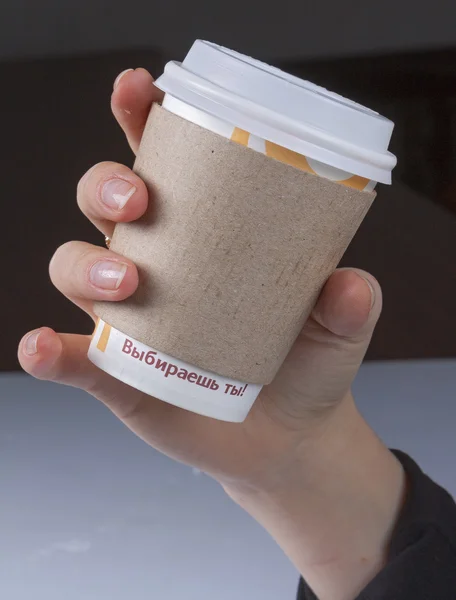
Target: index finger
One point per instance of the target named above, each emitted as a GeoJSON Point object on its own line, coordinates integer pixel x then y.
{"type": "Point", "coordinates": [131, 101]}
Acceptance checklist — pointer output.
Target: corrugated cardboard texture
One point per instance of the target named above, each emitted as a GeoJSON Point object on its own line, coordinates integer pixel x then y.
{"type": "Point", "coordinates": [232, 252]}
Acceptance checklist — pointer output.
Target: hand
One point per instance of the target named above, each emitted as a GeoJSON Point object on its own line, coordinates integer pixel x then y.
{"type": "Point", "coordinates": [310, 386]}
{"type": "Point", "coordinates": [301, 426]}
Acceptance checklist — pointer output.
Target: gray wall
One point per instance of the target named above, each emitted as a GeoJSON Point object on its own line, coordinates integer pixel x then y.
{"type": "Point", "coordinates": [300, 29]}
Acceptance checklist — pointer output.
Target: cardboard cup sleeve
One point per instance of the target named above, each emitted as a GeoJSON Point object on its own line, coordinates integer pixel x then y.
{"type": "Point", "coordinates": [232, 252]}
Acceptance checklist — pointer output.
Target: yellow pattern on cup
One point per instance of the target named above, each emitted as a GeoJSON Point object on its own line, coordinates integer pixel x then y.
{"type": "Point", "coordinates": [240, 136]}
{"type": "Point", "coordinates": [357, 182]}
{"type": "Point", "coordinates": [289, 157]}
{"type": "Point", "coordinates": [104, 338]}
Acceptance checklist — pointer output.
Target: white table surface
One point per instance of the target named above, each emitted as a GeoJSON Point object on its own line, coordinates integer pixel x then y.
{"type": "Point", "coordinates": [89, 512]}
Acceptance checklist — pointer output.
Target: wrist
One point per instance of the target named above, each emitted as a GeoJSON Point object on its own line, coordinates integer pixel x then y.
{"type": "Point", "coordinates": [334, 505]}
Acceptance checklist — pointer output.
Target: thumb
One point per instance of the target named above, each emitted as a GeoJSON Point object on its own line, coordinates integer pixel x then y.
{"type": "Point", "coordinates": [349, 305]}
{"type": "Point", "coordinates": [325, 359]}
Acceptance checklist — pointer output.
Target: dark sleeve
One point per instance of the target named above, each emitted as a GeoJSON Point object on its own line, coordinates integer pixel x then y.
{"type": "Point", "coordinates": [422, 558]}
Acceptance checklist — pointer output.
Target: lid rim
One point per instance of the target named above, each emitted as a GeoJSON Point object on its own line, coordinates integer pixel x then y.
{"type": "Point", "coordinates": [208, 96]}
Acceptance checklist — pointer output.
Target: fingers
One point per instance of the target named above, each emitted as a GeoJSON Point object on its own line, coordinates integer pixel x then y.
{"type": "Point", "coordinates": [84, 273]}
{"type": "Point", "coordinates": [111, 193]}
{"type": "Point", "coordinates": [46, 355]}
{"type": "Point", "coordinates": [350, 304]}
{"type": "Point", "coordinates": [62, 358]}
{"type": "Point", "coordinates": [131, 101]}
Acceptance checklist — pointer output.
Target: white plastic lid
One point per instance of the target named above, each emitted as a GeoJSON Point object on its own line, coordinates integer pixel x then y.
{"type": "Point", "coordinates": [283, 109]}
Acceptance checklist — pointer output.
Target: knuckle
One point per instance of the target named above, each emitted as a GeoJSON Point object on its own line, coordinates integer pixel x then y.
{"type": "Point", "coordinates": [67, 258]}
{"type": "Point", "coordinates": [95, 170]}
{"type": "Point", "coordinates": [85, 177]}
{"type": "Point", "coordinates": [90, 185]}
{"type": "Point", "coordinates": [64, 251]}
{"type": "Point", "coordinates": [55, 260]}
{"type": "Point", "coordinates": [83, 257]}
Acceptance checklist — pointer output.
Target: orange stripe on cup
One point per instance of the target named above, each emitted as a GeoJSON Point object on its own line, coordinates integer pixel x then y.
{"type": "Point", "coordinates": [240, 136]}
{"type": "Point", "coordinates": [299, 161]}
{"type": "Point", "coordinates": [104, 338]}
{"type": "Point", "coordinates": [288, 157]}
{"type": "Point", "coordinates": [357, 182]}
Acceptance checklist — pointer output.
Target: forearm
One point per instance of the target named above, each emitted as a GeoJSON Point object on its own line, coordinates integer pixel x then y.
{"type": "Point", "coordinates": [334, 510]}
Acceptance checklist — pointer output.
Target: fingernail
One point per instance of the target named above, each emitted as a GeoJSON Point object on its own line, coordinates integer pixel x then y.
{"type": "Point", "coordinates": [372, 291]}
{"type": "Point", "coordinates": [107, 274]}
{"type": "Point", "coordinates": [31, 343]}
{"type": "Point", "coordinates": [119, 77]}
{"type": "Point", "coordinates": [117, 192]}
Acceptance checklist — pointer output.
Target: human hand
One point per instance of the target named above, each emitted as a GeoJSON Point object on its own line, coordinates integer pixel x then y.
{"type": "Point", "coordinates": [305, 418]}
{"type": "Point", "coordinates": [311, 385]}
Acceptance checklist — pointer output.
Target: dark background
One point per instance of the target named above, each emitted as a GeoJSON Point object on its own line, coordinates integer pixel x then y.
{"type": "Point", "coordinates": [58, 61]}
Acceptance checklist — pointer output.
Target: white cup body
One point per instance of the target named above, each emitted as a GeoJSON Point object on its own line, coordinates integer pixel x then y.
{"type": "Point", "coordinates": [169, 378]}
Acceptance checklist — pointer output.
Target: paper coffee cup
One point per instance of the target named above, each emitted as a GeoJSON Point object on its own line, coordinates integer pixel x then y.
{"type": "Point", "coordinates": [209, 326]}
